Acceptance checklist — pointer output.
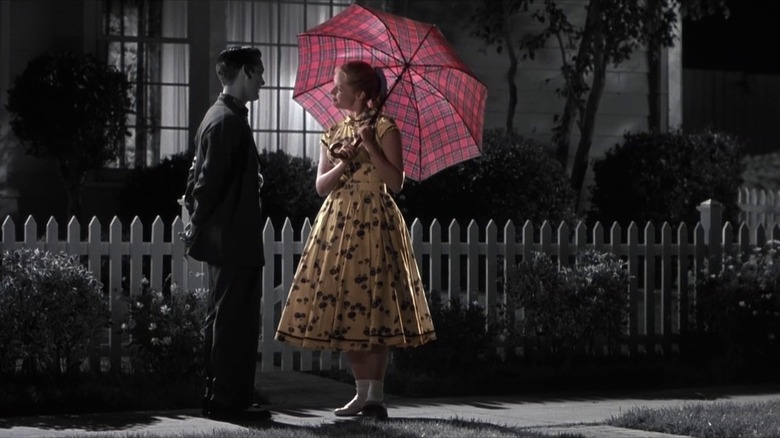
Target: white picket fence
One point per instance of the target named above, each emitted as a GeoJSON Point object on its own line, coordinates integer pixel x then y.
{"type": "Point", "coordinates": [471, 264]}
{"type": "Point", "coordinates": [759, 207]}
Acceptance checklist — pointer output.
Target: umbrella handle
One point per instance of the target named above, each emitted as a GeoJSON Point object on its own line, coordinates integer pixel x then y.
{"type": "Point", "coordinates": [335, 148]}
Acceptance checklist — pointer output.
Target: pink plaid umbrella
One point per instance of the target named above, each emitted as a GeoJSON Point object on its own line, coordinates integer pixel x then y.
{"type": "Point", "coordinates": [435, 99]}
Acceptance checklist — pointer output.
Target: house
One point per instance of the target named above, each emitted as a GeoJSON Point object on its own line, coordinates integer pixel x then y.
{"type": "Point", "coordinates": [168, 47]}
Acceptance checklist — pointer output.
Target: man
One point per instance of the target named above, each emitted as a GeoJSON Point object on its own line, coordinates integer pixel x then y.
{"type": "Point", "coordinates": [225, 231]}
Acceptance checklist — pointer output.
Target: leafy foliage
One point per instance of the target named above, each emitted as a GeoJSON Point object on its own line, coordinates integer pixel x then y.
{"type": "Point", "coordinates": [664, 177]}
{"type": "Point", "coordinates": [155, 191]}
{"type": "Point", "coordinates": [288, 190]}
{"type": "Point", "coordinates": [463, 344]}
{"type": "Point", "coordinates": [515, 179]}
{"type": "Point", "coordinates": [762, 171]}
{"type": "Point", "coordinates": [567, 309]}
{"type": "Point", "coordinates": [52, 313]}
{"type": "Point", "coordinates": [165, 331]}
{"type": "Point", "coordinates": [71, 108]}
{"type": "Point", "coordinates": [737, 309]}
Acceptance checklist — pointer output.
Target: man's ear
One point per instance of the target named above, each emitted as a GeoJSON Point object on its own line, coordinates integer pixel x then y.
{"type": "Point", "coordinates": [247, 71]}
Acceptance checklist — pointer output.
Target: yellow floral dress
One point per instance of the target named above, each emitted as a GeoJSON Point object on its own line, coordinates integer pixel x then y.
{"type": "Point", "coordinates": [357, 283]}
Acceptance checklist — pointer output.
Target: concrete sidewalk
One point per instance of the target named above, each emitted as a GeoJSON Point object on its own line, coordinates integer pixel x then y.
{"type": "Point", "coordinates": [303, 400]}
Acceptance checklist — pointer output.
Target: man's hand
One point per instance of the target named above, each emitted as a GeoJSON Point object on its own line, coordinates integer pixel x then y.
{"type": "Point", "coordinates": [187, 235]}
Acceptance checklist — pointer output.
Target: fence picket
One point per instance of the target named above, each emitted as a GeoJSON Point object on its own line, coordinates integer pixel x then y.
{"type": "Point", "coordinates": [563, 250]}
{"type": "Point", "coordinates": [647, 293]}
{"type": "Point", "coordinates": [157, 247]}
{"type": "Point", "coordinates": [472, 262]}
{"type": "Point", "coordinates": [74, 245]}
{"type": "Point", "coordinates": [434, 258]}
{"type": "Point", "coordinates": [633, 290]}
{"type": "Point", "coordinates": [268, 300]}
{"type": "Point", "coordinates": [52, 242]}
{"type": "Point", "coordinates": [665, 327]}
{"type": "Point", "coordinates": [287, 276]}
{"type": "Point", "coordinates": [684, 267]}
{"type": "Point", "coordinates": [136, 256]}
{"type": "Point", "coordinates": [491, 266]}
{"type": "Point", "coordinates": [454, 285]}
{"type": "Point", "coordinates": [177, 253]}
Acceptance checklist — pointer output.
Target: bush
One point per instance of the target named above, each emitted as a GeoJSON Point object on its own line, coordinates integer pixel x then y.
{"type": "Point", "coordinates": [664, 177]}
{"type": "Point", "coordinates": [166, 334]}
{"type": "Point", "coordinates": [515, 178]}
{"type": "Point", "coordinates": [288, 191]}
{"type": "Point", "coordinates": [737, 311]}
{"type": "Point", "coordinates": [447, 365]}
{"type": "Point", "coordinates": [568, 311]}
{"type": "Point", "coordinates": [53, 314]}
{"type": "Point", "coordinates": [762, 171]}
{"type": "Point", "coordinates": [156, 190]}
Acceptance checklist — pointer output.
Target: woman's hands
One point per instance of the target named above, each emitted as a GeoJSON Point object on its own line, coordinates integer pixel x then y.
{"type": "Point", "coordinates": [366, 138]}
{"type": "Point", "coordinates": [344, 151]}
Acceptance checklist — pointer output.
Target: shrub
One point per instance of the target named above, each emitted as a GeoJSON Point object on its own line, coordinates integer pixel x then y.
{"type": "Point", "coordinates": [762, 171]}
{"type": "Point", "coordinates": [664, 177]}
{"type": "Point", "coordinates": [515, 178]}
{"type": "Point", "coordinates": [288, 191]}
{"type": "Point", "coordinates": [166, 334]}
{"type": "Point", "coordinates": [568, 310]}
{"type": "Point", "coordinates": [52, 313]}
{"type": "Point", "coordinates": [737, 311]}
{"type": "Point", "coordinates": [156, 190]}
{"type": "Point", "coordinates": [463, 344]}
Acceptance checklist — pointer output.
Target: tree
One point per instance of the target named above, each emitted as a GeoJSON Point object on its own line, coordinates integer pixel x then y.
{"type": "Point", "coordinates": [612, 31]}
{"type": "Point", "coordinates": [71, 108]}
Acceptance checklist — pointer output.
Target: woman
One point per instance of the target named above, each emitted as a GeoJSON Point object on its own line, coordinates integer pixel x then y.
{"type": "Point", "coordinates": [357, 287]}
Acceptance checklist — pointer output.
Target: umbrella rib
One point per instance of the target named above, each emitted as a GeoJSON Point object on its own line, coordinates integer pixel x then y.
{"type": "Point", "coordinates": [433, 86]}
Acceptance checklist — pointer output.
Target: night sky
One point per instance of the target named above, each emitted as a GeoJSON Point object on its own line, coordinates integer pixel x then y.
{"type": "Point", "coordinates": [748, 41]}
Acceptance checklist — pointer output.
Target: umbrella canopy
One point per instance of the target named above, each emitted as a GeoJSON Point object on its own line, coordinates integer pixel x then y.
{"type": "Point", "coordinates": [433, 96]}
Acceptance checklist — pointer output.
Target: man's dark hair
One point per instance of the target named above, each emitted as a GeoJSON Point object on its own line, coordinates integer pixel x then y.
{"type": "Point", "coordinates": [233, 59]}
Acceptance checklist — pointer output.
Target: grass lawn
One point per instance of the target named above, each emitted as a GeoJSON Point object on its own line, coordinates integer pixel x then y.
{"type": "Point", "coordinates": [707, 419]}
{"type": "Point", "coordinates": [363, 428]}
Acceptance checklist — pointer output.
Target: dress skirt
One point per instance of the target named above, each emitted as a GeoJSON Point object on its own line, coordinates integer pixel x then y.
{"type": "Point", "coordinates": [357, 283]}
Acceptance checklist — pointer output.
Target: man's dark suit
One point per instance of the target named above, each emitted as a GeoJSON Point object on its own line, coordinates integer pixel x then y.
{"type": "Point", "coordinates": [226, 232]}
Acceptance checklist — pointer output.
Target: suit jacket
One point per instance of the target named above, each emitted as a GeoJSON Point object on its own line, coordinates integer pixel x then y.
{"type": "Point", "coordinates": [223, 189]}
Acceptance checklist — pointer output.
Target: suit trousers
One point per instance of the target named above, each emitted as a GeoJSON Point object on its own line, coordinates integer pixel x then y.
{"type": "Point", "coordinates": [231, 331]}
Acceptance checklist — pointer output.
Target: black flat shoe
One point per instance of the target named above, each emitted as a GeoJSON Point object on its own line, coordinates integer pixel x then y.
{"type": "Point", "coordinates": [374, 410]}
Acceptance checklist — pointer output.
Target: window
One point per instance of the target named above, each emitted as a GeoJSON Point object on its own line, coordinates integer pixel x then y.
{"type": "Point", "coordinates": [273, 26]}
{"type": "Point", "coordinates": [147, 39]}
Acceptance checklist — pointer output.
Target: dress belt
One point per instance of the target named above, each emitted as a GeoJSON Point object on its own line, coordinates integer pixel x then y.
{"type": "Point", "coordinates": [366, 185]}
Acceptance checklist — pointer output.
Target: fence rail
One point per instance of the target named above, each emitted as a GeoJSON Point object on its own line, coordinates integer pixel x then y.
{"type": "Point", "coordinates": [468, 263]}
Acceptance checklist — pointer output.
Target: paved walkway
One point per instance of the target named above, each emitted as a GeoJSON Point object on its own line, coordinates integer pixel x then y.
{"type": "Point", "coordinates": [303, 400]}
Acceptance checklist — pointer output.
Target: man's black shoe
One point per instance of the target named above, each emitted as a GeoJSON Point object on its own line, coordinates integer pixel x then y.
{"type": "Point", "coordinates": [218, 411]}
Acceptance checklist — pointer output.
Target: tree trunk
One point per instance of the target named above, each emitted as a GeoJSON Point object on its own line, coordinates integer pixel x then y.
{"type": "Point", "coordinates": [510, 75]}
{"type": "Point", "coordinates": [580, 165]}
{"type": "Point", "coordinates": [576, 86]}
{"type": "Point", "coordinates": [562, 136]}
{"type": "Point", "coordinates": [73, 179]}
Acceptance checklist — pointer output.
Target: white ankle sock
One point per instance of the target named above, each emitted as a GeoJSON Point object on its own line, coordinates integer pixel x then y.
{"type": "Point", "coordinates": [376, 391]}
{"type": "Point", "coordinates": [356, 404]}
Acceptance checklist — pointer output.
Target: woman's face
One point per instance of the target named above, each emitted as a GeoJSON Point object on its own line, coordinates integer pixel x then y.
{"type": "Point", "coordinates": [343, 96]}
